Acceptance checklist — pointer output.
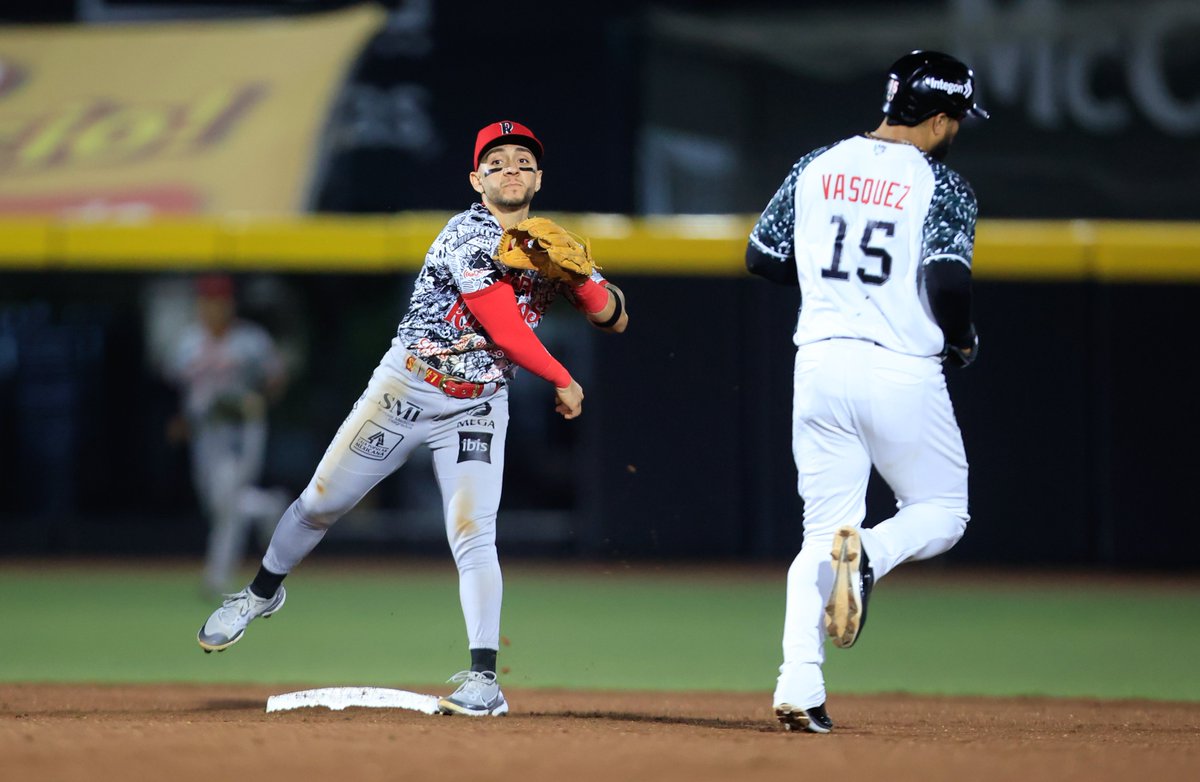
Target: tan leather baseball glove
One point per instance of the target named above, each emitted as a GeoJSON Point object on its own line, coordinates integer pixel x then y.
{"type": "Point", "coordinates": [542, 244]}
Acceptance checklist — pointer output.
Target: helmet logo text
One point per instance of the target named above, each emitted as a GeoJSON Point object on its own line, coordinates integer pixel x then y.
{"type": "Point", "coordinates": [949, 87]}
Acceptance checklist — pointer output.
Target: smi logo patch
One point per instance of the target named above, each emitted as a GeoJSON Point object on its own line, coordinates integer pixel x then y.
{"type": "Point", "coordinates": [475, 447]}
{"type": "Point", "coordinates": [375, 442]}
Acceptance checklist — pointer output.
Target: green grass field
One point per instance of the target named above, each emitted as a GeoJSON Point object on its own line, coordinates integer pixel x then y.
{"type": "Point", "coordinates": [649, 627]}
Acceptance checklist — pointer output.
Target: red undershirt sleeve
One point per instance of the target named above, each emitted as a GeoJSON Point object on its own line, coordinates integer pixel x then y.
{"type": "Point", "coordinates": [495, 307]}
{"type": "Point", "coordinates": [591, 296]}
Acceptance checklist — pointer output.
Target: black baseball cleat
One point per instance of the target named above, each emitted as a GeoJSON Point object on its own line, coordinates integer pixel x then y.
{"type": "Point", "coordinates": [853, 580]}
{"type": "Point", "coordinates": [813, 720]}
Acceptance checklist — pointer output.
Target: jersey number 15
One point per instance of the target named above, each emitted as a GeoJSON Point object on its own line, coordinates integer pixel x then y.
{"type": "Point", "coordinates": [835, 272]}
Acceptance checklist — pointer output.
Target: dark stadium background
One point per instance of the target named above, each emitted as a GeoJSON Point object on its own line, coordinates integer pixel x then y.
{"type": "Point", "coordinates": [1077, 419]}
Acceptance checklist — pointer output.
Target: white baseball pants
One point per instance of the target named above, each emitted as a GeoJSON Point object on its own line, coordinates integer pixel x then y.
{"type": "Point", "coordinates": [397, 413]}
{"type": "Point", "coordinates": [857, 404]}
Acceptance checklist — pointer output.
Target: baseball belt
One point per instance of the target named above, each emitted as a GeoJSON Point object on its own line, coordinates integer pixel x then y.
{"type": "Point", "coordinates": [447, 384]}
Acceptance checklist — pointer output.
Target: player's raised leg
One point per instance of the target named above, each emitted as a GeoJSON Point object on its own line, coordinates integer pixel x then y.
{"type": "Point", "coordinates": [918, 450]}
{"type": "Point", "coordinates": [386, 423]}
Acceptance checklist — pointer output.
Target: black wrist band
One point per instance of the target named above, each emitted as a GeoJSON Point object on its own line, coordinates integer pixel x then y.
{"type": "Point", "coordinates": [617, 311]}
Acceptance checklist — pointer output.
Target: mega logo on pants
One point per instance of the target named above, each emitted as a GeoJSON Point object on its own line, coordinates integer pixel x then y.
{"type": "Point", "coordinates": [475, 447]}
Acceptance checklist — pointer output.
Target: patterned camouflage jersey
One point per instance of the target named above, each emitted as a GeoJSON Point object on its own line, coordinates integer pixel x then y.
{"type": "Point", "coordinates": [862, 219]}
{"type": "Point", "coordinates": [439, 328]}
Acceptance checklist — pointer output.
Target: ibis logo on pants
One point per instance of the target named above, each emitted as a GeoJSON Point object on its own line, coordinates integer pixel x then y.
{"type": "Point", "coordinates": [475, 447]}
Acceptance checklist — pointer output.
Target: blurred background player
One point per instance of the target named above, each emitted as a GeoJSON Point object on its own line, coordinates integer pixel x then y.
{"type": "Point", "coordinates": [444, 384]}
{"type": "Point", "coordinates": [878, 234]}
{"type": "Point", "coordinates": [228, 371]}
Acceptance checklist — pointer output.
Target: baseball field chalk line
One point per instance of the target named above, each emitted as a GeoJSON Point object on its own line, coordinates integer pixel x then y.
{"type": "Point", "coordinates": [338, 698]}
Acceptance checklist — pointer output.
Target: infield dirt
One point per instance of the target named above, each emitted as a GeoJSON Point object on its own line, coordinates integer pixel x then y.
{"type": "Point", "coordinates": [206, 733]}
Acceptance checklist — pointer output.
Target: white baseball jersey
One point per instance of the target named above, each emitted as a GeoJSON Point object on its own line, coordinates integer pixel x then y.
{"type": "Point", "coordinates": [211, 368]}
{"type": "Point", "coordinates": [862, 217]}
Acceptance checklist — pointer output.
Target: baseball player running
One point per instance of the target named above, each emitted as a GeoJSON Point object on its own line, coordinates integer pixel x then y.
{"type": "Point", "coordinates": [444, 384]}
{"type": "Point", "coordinates": [228, 370]}
{"type": "Point", "coordinates": [877, 232]}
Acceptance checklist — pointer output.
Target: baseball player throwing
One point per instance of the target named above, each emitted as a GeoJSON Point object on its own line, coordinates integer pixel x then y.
{"type": "Point", "coordinates": [878, 234]}
{"type": "Point", "coordinates": [444, 384]}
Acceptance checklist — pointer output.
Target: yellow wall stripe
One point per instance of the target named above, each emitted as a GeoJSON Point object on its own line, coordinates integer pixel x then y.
{"type": "Point", "coordinates": [24, 243]}
{"type": "Point", "coordinates": [1147, 252]}
{"type": "Point", "coordinates": [1030, 250]}
{"type": "Point", "coordinates": [317, 243]}
{"type": "Point", "coordinates": [1021, 250]}
{"type": "Point", "coordinates": [164, 244]}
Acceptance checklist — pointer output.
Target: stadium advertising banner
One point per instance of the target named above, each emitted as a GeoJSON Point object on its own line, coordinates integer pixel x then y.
{"type": "Point", "coordinates": [125, 121]}
{"type": "Point", "coordinates": [1095, 106]}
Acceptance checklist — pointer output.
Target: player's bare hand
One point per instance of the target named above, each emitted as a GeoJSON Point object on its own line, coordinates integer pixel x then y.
{"type": "Point", "coordinates": [570, 401]}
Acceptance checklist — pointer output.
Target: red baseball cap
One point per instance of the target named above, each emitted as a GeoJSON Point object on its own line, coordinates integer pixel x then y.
{"type": "Point", "coordinates": [506, 132]}
{"type": "Point", "coordinates": [215, 286]}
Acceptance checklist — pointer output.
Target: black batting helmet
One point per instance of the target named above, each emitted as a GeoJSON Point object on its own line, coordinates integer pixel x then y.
{"type": "Point", "coordinates": [923, 83]}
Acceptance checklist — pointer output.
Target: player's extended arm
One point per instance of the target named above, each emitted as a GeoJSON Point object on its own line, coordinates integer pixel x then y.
{"type": "Point", "coordinates": [603, 304]}
{"type": "Point", "coordinates": [948, 288]}
{"type": "Point", "coordinates": [495, 307]}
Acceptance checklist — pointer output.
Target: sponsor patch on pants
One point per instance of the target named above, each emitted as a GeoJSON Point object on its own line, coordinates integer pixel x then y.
{"type": "Point", "coordinates": [375, 442]}
{"type": "Point", "coordinates": [475, 447]}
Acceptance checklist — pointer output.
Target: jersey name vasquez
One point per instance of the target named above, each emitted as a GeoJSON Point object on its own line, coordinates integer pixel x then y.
{"type": "Point", "coordinates": [865, 190]}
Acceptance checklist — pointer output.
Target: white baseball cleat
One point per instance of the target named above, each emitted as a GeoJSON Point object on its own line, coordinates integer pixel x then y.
{"type": "Point", "coordinates": [227, 624]}
{"type": "Point", "coordinates": [478, 696]}
{"type": "Point", "coordinates": [853, 579]}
